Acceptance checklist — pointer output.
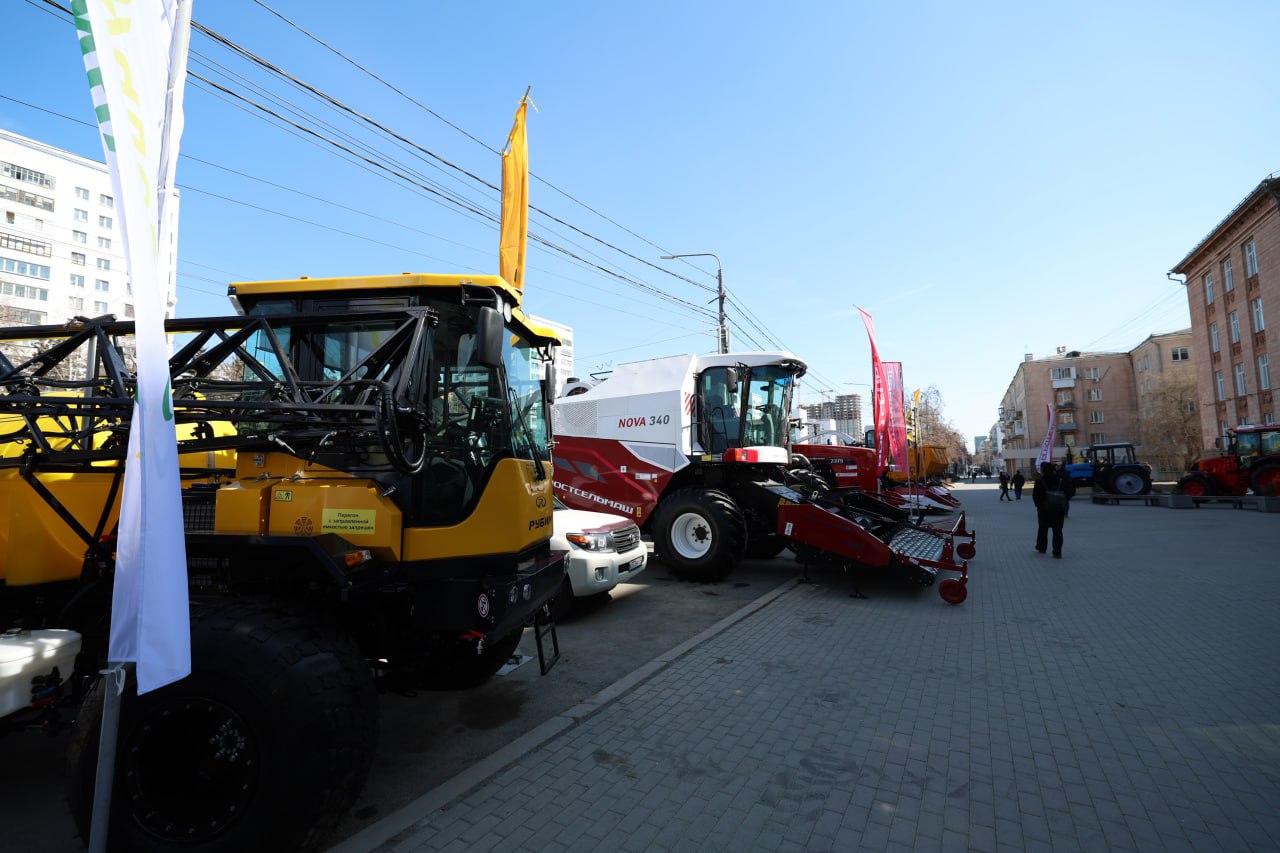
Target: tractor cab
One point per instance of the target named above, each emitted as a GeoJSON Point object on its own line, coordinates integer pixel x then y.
{"type": "Point", "coordinates": [743, 410]}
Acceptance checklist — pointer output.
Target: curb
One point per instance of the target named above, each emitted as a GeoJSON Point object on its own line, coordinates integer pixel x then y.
{"type": "Point", "coordinates": [396, 826]}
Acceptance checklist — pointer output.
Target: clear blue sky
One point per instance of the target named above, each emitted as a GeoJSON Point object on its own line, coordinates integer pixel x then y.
{"type": "Point", "coordinates": [986, 179]}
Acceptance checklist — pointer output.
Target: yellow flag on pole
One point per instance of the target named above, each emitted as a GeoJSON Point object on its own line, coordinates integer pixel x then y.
{"type": "Point", "coordinates": [515, 202]}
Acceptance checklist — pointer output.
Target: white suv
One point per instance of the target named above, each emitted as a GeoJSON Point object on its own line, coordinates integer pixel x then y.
{"type": "Point", "coordinates": [604, 550]}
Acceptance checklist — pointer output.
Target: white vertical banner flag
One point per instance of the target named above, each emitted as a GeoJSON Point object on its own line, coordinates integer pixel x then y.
{"type": "Point", "coordinates": [1046, 449]}
{"type": "Point", "coordinates": [135, 53]}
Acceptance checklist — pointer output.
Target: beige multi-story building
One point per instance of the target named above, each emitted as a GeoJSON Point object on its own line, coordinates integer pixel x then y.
{"type": "Point", "coordinates": [1093, 397]}
{"type": "Point", "coordinates": [1232, 280]}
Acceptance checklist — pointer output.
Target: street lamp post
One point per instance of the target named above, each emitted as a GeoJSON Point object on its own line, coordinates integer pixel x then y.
{"type": "Point", "coordinates": [722, 332]}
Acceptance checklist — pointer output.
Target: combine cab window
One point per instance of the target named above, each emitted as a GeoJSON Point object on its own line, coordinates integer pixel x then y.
{"type": "Point", "coordinates": [744, 407]}
{"type": "Point", "coordinates": [768, 395]}
{"type": "Point", "coordinates": [718, 389]}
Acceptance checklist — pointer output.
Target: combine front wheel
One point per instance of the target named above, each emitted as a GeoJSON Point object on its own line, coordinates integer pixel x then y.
{"type": "Point", "coordinates": [700, 533]}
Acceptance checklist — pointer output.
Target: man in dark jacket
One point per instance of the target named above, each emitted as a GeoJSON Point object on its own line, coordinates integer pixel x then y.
{"type": "Point", "coordinates": [1050, 494]}
{"type": "Point", "coordinates": [1018, 482]}
{"type": "Point", "coordinates": [1004, 487]}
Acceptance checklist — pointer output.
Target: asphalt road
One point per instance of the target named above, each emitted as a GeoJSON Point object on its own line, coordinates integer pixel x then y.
{"type": "Point", "coordinates": [428, 736]}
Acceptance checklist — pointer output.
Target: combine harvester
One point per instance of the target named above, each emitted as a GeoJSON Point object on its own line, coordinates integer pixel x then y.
{"type": "Point", "coordinates": [846, 466]}
{"type": "Point", "coordinates": [695, 449]}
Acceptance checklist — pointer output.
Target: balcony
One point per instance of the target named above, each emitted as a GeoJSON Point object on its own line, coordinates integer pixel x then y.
{"type": "Point", "coordinates": [1063, 405]}
{"type": "Point", "coordinates": [1066, 427]}
{"type": "Point", "coordinates": [1069, 382]}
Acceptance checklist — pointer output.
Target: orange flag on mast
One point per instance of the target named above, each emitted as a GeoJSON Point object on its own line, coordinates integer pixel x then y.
{"type": "Point", "coordinates": [515, 202]}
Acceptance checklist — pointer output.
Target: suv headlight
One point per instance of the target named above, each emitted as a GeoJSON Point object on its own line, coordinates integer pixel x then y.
{"type": "Point", "coordinates": [591, 541]}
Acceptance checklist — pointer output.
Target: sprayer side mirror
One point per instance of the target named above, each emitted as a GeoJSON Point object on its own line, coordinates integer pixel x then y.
{"type": "Point", "coordinates": [489, 331]}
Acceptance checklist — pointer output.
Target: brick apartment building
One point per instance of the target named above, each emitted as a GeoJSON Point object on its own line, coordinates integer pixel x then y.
{"type": "Point", "coordinates": [1097, 397]}
{"type": "Point", "coordinates": [1233, 280]}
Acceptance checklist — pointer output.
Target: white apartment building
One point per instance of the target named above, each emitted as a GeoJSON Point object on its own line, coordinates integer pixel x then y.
{"type": "Point", "coordinates": [61, 243]}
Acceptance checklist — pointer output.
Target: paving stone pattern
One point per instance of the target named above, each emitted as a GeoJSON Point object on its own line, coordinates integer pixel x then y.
{"type": "Point", "coordinates": [1124, 697]}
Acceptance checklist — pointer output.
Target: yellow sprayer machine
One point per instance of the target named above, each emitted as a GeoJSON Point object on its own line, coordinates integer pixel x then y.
{"type": "Point", "coordinates": [366, 487]}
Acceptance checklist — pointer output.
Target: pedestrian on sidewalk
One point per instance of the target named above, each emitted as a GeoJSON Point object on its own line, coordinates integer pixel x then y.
{"type": "Point", "coordinates": [1018, 481]}
{"type": "Point", "coordinates": [1050, 495]}
{"type": "Point", "coordinates": [1004, 487]}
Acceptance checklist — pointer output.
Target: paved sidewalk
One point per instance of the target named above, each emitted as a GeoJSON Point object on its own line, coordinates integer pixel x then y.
{"type": "Point", "coordinates": [1125, 697]}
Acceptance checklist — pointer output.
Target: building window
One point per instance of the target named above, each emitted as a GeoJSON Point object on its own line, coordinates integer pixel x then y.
{"type": "Point", "coordinates": [106, 200]}
{"type": "Point", "coordinates": [1097, 438]}
{"type": "Point", "coordinates": [80, 236]}
{"type": "Point", "coordinates": [1264, 372]}
{"type": "Point", "coordinates": [77, 258]}
{"type": "Point", "coordinates": [24, 291]}
{"type": "Point", "coordinates": [1065, 398]}
{"type": "Point", "coordinates": [104, 263]}
{"type": "Point", "coordinates": [1228, 278]}
{"type": "Point", "coordinates": [1224, 429]}
{"type": "Point", "coordinates": [1219, 386]}
{"type": "Point", "coordinates": [1180, 354]}
{"type": "Point", "coordinates": [104, 221]}
{"type": "Point", "coordinates": [104, 242]}
{"type": "Point", "coordinates": [1240, 389]}
{"type": "Point", "coordinates": [1208, 290]}
{"type": "Point", "coordinates": [1094, 395]}
{"type": "Point", "coordinates": [76, 303]}
{"type": "Point", "coordinates": [101, 285]}
{"type": "Point", "coordinates": [28, 176]}
{"type": "Point", "coordinates": [100, 307]}
{"type": "Point", "coordinates": [77, 280]}
{"type": "Point", "coordinates": [1067, 417]}
{"type": "Point", "coordinates": [1234, 322]}
{"type": "Point", "coordinates": [1097, 418]}
{"type": "Point", "coordinates": [1258, 322]}
{"type": "Point", "coordinates": [24, 244]}
{"type": "Point", "coordinates": [1214, 346]}
{"type": "Point", "coordinates": [81, 215]}
{"type": "Point", "coordinates": [1251, 258]}
{"type": "Point", "coordinates": [1269, 418]}
{"type": "Point", "coordinates": [28, 317]}
{"type": "Point", "coordinates": [23, 197]}
{"type": "Point", "coordinates": [82, 193]}
{"type": "Point", "coordinates": [1095, 374]}
{"type": "Point", "coordinates": [24, 268]}
{"type": "Point", "coordinates": [1061, 373]}
{"type": "Point", "coordinates": [128, 310]}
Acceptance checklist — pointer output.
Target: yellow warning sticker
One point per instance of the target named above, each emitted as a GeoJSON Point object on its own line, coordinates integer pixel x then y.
{"type": "Point", "coordinates": [348, 520]}
{"type": "Point", "coordinates": [283, 496]}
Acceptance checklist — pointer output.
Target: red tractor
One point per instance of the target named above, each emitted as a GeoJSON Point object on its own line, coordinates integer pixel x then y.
{"type": "Point", "coordinates": [1250, 461]}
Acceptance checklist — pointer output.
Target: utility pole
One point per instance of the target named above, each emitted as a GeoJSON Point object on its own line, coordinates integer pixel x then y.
{"type": "Point", "coordinates": [722, 330]}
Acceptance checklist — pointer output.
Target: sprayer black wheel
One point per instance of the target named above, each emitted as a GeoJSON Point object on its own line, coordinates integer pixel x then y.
{"type": "Point", "coordinates": [263, 747]}
{"type": "Point", "coordinates": [700, 533]}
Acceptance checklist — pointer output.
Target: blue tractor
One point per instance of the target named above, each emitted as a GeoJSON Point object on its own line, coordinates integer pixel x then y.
{"type": "Point", "coordinates": [1114, 468]}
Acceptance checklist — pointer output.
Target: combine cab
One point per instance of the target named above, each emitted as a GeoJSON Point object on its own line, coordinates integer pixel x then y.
{"type": "Point", "coordinates": [694, 448]}
{"type": "Point", "coordinates": [1250, 461]}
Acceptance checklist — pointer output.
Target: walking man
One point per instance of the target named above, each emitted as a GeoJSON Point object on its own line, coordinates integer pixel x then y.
{"type": "Point", "coordinates": [1050, 495]}
{"type": "Point", "coordinates": [1004, 487]}
{"type": "Point", "coordinates": [1018, 481]}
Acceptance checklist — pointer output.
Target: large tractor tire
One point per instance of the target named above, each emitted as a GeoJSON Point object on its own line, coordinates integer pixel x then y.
{"type": "Point", "coordinates": [1266, 480]}
{"type": "Point", "coordinates": [262, 748]}
{"type": "Point", "coordinates": [700, 533]}
{"type": "Point", "coordinates": [1126, 482]}
{"type": "Point", "coordinates": [1196, 485]}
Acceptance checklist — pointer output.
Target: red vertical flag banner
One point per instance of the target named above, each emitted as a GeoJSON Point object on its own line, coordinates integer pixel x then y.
{"type": "Point", "coordinates": [879, 402]}
{"type": "Point", "coordinates": [896, 403]}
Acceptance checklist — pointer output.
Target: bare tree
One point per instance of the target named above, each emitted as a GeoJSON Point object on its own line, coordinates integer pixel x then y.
{"type": "Point", "coordinates": [933, 429]}
{"type": "Point", "coordinates": [1170, 426]}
